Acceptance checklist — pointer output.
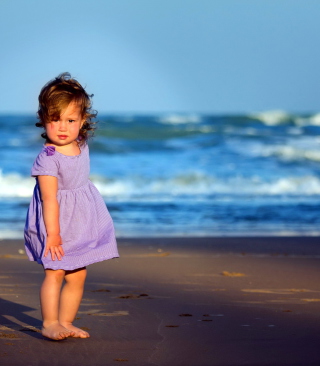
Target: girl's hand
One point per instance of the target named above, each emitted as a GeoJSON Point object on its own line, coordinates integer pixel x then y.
{"type": "Point", "coordinates": [54, 246]}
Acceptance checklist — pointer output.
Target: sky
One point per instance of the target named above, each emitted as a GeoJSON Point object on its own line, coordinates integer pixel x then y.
{"type": "Point", "coordinates": [164, 56]}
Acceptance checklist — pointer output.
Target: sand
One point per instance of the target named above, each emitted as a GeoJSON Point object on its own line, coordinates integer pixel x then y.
{"type": "Point", "coordinates": [175, 301]}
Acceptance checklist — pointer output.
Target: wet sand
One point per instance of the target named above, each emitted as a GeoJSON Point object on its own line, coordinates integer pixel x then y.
{"type": "Point", "coordinates": [177, 301]}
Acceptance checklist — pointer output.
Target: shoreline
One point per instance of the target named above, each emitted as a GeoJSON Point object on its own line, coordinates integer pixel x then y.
{"type": "Point", "coordinates": [257, 244]}
{"type": "Point", "coordinates": [176, 301]}
{"type": "Point", "coordinates": [18, 235]}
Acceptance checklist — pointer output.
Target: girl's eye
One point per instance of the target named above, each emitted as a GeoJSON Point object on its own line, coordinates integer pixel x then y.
{"type": "Point", "coordinates": [71, 120]}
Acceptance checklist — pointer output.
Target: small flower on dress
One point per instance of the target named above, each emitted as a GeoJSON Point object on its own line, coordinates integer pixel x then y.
{"type": "Point", "coordinates": [50, 150]}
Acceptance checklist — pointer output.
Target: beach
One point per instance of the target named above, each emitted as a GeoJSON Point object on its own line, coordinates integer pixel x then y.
{"type": "Point", "coordinates": [175, 301]}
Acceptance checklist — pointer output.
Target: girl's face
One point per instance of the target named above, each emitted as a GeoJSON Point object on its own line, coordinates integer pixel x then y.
{"type": "Point", "coordinates": [65, 130]}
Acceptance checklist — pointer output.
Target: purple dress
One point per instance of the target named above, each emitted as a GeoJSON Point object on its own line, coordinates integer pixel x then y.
{"type": "Point", "coordinates": [86, 227]}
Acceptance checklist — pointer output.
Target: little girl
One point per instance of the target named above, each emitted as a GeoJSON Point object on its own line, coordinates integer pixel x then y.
{"type": "Point", "coordinates": [68, 225]}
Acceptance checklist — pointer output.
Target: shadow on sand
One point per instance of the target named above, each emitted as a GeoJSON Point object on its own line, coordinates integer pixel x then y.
{"type": "Point", "coordinates": [13, 317]}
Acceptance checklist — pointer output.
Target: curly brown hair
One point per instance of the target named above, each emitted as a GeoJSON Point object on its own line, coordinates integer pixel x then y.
{"type": "Point", "coordinates": [57, 94]}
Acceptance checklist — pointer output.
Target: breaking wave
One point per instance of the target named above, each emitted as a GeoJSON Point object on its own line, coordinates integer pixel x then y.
{"type": "Point", "coordinates": [188, 185]}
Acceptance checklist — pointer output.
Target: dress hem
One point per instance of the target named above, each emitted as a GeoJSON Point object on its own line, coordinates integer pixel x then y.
{"type": "Point", "coordinates": [76, 266]}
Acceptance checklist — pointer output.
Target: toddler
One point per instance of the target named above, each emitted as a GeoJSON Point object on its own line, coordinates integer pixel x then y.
{"type": "Point", "coordinates": [68, 225]}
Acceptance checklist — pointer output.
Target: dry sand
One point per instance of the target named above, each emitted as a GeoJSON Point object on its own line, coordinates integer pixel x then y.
{"type": "Point", "coordinates": [181, 301]}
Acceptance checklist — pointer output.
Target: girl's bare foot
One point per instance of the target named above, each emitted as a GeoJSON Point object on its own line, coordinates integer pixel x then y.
{"type": "Point", "coordinates": [56, 332]}
{"type": "Point", "coordinates": [78, 333]}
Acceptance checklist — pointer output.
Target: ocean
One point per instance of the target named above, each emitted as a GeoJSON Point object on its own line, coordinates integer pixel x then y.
{"type": "Point", "coordinates": [184, 174]}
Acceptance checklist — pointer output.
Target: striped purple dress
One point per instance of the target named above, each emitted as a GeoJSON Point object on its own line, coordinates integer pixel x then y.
{"type": "Point", "coordinates": [86, 227]}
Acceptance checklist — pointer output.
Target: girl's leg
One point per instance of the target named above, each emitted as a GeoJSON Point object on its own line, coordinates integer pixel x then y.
{"type": "Point", "coordinates": [49, 299]}
{"type": "Point", "coordinates": [70, 299]}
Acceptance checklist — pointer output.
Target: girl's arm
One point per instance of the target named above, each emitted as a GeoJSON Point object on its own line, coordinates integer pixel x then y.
{"type": "Point", "coordinates": [49, 188]}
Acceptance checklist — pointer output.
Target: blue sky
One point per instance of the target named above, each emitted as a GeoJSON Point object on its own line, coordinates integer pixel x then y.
{"type": "Point", "coordinates": [142, 56]}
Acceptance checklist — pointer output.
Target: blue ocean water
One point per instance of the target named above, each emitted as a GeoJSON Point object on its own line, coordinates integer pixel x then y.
{"type": "Point", "coordinates": [177, 174]}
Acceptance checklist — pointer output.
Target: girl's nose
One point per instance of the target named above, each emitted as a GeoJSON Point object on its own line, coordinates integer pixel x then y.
{"type": "Point", "coordinates": [62, 126]}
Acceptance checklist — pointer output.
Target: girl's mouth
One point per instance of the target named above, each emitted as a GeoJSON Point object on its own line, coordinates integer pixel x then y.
{"type": "Point", "coordinates": [62, 137]}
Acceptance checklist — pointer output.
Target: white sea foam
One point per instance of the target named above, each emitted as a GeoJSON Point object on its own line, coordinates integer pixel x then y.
{"type": "Point", "coordinates": [292, 153]}
{"type": "Point", "coordinates": [15, 185]}
{"type": "Point", "coordinates": [272, 118]}
{"type": "Point", "coordinates": [280, 117]}
{"type": "Point", "coordinates": [13, 233]}
{"type": "Point", "coordinates": [198, 183]}
{"type": "Point", "coordinates": [313, 120]}
{"type": "Point", "coordinates": [302, 149]}
{"type": "Point", "coordinates": [175, 119]}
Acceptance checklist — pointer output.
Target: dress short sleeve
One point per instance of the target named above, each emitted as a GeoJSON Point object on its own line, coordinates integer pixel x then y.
{"type": "Point", "coordinates": [45, 165]}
